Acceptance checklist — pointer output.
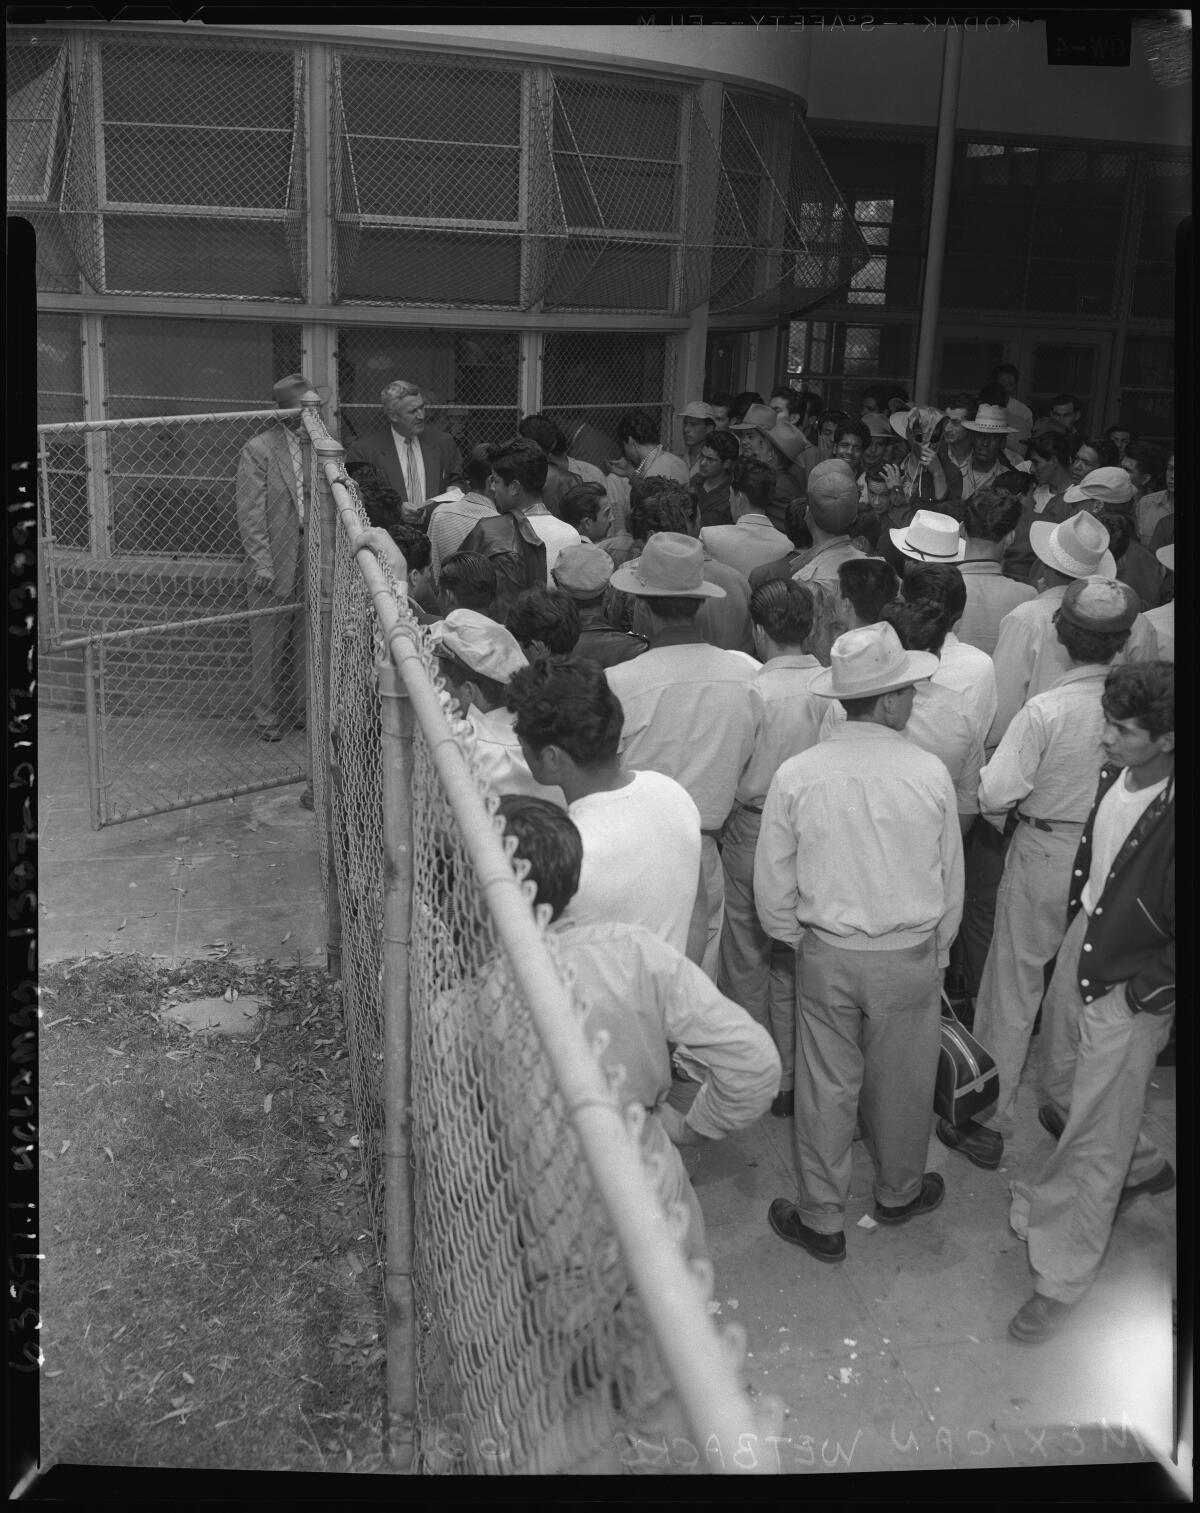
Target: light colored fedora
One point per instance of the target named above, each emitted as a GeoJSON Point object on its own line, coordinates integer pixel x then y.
{"type": "Point", "coordinates": [756, 418]}
{"type": "Point", "coordinates": [1077, 547]}
{"type": "Point", "coordinates": [930, 537]}
{"type": "Point", "coordinates": [696, 409]}
{"type": "Point", "coordinates": [1104, 485]}
{"type": "Point", "coordinates": [671, 567]}
{"type": "Point", "coordinates": [869, 661]}
{"type": "Point", "coordinates": [929, 416]}
{"type": "Point", "coordinates": [991, 420]}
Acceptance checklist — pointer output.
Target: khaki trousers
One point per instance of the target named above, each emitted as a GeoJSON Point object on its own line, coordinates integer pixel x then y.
{"type": "Point", "coordinates": [1031, 920]}
{"type": "Point", "coordinates": [1096, 1067]}
{"type": "Point", "coordinates": [867, 1039]}
{"type": "Point", "coordinates": [278, 659]}
{"type": "Point", "coordinates": [713, 881]}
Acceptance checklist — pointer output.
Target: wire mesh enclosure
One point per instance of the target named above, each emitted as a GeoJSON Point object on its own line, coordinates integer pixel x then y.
{"type": "Point", "coordinates": [589, 379]}
{"type": "Point", "coordinates": [36, 68]}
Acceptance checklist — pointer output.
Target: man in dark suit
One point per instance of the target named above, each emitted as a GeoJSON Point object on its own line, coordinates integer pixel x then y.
{"type": "Point", "coordinates": [418, 461]}
{"type": "Point", "coordinates": [271, 488]}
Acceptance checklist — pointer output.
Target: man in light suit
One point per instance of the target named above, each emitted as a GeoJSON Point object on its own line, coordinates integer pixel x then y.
{"type": "Point", "coordinates": [272, 483]}
{"type": "Point", "coordinates": [419, 462]}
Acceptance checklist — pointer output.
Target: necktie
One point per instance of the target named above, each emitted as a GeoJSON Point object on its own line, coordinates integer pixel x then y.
{"type": "Point", "coordinates": [410, 448]}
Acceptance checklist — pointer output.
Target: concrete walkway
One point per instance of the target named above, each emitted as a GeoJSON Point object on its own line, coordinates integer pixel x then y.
{"type": "Point", "coordinates": [897, 1358]}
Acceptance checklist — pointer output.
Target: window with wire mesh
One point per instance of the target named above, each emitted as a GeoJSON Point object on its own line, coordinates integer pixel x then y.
{"type": "Point", "coordinates": [430, 180]}
{"type": "Point", "coordinates": [1166, 199]}
{"type": "Point", "coordinates": [1147, 396]}
{"type": "Point", "coordinates": [187, 170]}
{"type": "Point", "coordinates": [617, 162]}
{"type": "Point", "coordinates": [172, 490]}
{"type": "Point", "coordinates": [36, 67]}
{"type": "Point", "coordinates": [1035, 228]}
{"type": "Point", "coordinates": [589, 380]}
{"type": "Point", "coordinates": [753, 160]}
{"type": "Point", "coordinates": [886, 180]}
{"type": "Point", "coordinates": [470, 379]}
{"type": "Point", "coordinates": [838, 360]}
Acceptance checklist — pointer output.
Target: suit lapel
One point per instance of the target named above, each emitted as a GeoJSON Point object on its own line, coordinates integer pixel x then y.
{"type": "Point", "coordinates": [283, 461]}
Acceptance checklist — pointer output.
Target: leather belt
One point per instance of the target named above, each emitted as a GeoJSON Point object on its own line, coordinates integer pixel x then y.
{"type": "Point", "coordinates": [1050, 825]}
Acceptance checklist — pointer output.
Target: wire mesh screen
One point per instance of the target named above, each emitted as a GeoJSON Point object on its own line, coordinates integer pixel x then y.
{"type": "Point", "coordinates": [36, 68]}
{"type": "Point", "coordinates": [471, 379]}
{"type": "Point", "coordinates": [186, 169]}
{"type": "Point", "coordinates": [589, 379]}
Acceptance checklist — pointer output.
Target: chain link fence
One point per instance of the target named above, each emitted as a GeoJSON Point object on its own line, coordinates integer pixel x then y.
{"type": "Point", "coordinates": [519, 1340]}
{"type": "Point", "coordinates": [146, 576]}
{"type": "Point", "coordinates": [589, 379]}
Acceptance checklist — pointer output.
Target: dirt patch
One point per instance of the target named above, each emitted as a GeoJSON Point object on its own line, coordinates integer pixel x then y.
{"type": "Point", "coordinates": [211, 1290]}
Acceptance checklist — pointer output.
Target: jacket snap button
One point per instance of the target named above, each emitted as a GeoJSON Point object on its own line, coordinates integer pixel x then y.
{"type": "Point", "coordinates": [1087, 947]}
{"type": "Point", "coordinates": [1084, 983]}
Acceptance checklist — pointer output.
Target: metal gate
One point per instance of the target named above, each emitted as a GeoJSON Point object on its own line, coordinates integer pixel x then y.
{"type": "Point", "coordinates": [145, 625]}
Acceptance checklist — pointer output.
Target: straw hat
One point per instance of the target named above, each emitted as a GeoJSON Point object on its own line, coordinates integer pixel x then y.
{"type": "Point", "coordinates": [870, 661]}
{"type": "Point", "coordinates": [926, 414]}
{"type": "Point", "coordinates": [670, 567]}
{"type": "Point", "coordinates": [930, 537]}
{"type": "Point", "coordinates": [991, 420]}
{"type": "Point", "coordinates": [1078, 547]}
{"type": "Point", "coordinates": [785, 437]}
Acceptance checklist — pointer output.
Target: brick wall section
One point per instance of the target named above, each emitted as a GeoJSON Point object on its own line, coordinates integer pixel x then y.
{"type": "Point", "coordinates": [205, 669]}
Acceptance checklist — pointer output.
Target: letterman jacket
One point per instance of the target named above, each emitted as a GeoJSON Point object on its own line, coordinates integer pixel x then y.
{"type": "Point", "coordinates": [1130, 937]}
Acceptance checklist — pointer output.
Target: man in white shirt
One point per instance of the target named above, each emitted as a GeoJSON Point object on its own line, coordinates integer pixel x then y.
{"type": "Point", "coordinates": [1045, 769]}
{"type": "Point", "coordinates": [476, 658]}
{"type": "Point", "coordinates": [749, 971]}
{"type": "Point", "coordinates": [832, 511]}
{"type": "Point", "coordinates": [990, 519]}
{"type": "Point", "coordinates": [640, 830]}
{"type": "Point", "coordinates": [1162, 618]}
{"type": "Point", "coordinates": [859, 865]}
{"type": "Point", "coordinates": [751, 541]}
{"type": "Point", "coordinates": [965, 669]}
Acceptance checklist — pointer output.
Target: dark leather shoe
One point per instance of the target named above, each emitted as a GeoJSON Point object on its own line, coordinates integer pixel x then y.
{"type": "Point", "coordinates": [783, 1105]}
{"type": "Point", "coordinates": [306, 799]}
{"type": "Point", "coordinates": [785, 1221]}
{"type": "Point", "coordinates": [1037, 1319]}
{"type": "Point", "coordinates": [981, 1146]}
{"type": "Point", "coordinates": [1160, 1182]}
{"type": "Point", "coordinates": [933, 1190]}
{"type": "Point", "coordinates": [1051, 1120]}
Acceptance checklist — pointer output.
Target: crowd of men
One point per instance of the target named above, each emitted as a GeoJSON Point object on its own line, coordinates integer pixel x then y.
{"type": "Point", "coordinates": [800, 725]}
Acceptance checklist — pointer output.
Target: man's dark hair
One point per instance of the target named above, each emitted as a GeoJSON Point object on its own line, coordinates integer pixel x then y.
{"type": "Point", "coordinates": [548, 840]}
{"type": "Point", "coordinates": [795, 400]}
{"type": "Point", "coordinates": [641, 489]}
{"type": "Point", "coordinates": [582, 502]}
{"type": "Point", "coordinates": [754, 479]}
{"type": "Point", "coordinates": [939, 583]}
{"type": "Point", "coordinates": [1151, 459]}
{"type": "Point", "coordinates": [678, 609]}
{"type": "Point", "coordinates": [522, 461]}
{"type": "Point", "coordinates": [883, 393]}
{"type": "Point", "coordinates": [382, 504]}
{"type": "Point", "coordinates": [994, 394]}
{"type": "Point", "coordinates": [456, 672]}
{"type": "Point", "coordinates": [471, 578]}
{"type": "Point", "coordinates": [963, 401]}
{"type": "Point", "coordinates": [869, 583]}
{"type": "Point", "coordinates": [1132, 434]}
{"type": "Point", "coordinates": [661, 514]}
{"type": "Point", "coordinates": [919, 627]}
{"type": "Point", "coordinates": [1106, 452]}
{"type": "Point", "coordinates": [795, 523]}
{"type": "Point", "coordinates": [542, 429]}
{"type": "Point", "coordinates": [858, 709]}
{"type": "Point", "coordinates": [743, 401]}
{"type": "Point", "coordinates": [477, 466]}
{"type": "Point", "coordinates": [1052, 446]}
{"type": "Point", "coordinates": [1004, 367]}
{"type": "Point", "coordinates": [639, 426]}
{"type": "Point", "coordinates": [721, 398]}
{"type": "Point", "coordinates": [413, 541]}
{"type": "Point", "coordinates": [1063, 399]}
{"type": "Point", "coordinates": [567, 702]}
{"type": "Point", "coordinates": [784, 609]}
{"type": "Point", "coordinates": [810, 404]}
{"type": "Point", "coordinates": [853, 428]}
{"type": "Point", "coordinates": [839, 417]}
{"type": "Point", "coordinates": [866, 526]}
{"type": "Point", "coordinates": [989, 514]}
{"type": "Point", "coordinates": [1013, 483]}
{"type": "Point", "coordinates": [1118, 522]}
{"type": "Point", "coordinates": [1083, 645]}
{"type": "Point", "coordinates": [548, 615]}
{"type": "Point", "coordinates": [724, 443]}
{"type": "Point", "coordinates": [1142, 691]}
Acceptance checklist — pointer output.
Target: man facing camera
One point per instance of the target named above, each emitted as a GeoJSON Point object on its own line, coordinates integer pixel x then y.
{"type": "Point", "coordinates": [418, 461]}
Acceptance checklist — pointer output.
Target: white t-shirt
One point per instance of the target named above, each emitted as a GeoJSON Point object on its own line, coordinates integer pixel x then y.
{"type": "Point", "coordinates": [1119, 811]}
{"type": "Point", "coordinates": [641, 857]}
{"type": "Point", "coordinates": [557, 535]}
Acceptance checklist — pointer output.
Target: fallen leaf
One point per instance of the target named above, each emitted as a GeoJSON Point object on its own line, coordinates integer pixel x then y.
{"type": "Point", "coordinates": [112, 1051]}
{"type": "Point", "coordinates": [267, 1103]}
{"type": "Point", "coordinates": [190, 1380]}
{"type": "Point", "coordinates": [286, 938]}
{"type": "Point", "coordinates": [230, 995]}
{"type": "Point", "coordinates": [64, 1148]}
{"type": "Point", "coordinates": [109, 1154]}
{"type": "Point", "coordinates": [122, 925]}
{"type": "Point", "coordinates": [258, 1063]}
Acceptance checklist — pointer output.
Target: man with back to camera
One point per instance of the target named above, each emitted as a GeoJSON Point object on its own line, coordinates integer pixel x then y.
{"type": "Point", "coordinates": [417, 460]}
{"type": "Point", "coordinates": [272, 481]}
{"type": "Point", "coordinates": [859, 866]}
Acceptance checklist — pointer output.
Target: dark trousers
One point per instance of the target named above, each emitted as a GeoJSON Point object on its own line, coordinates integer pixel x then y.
{"type": "Point", "coordinates": [983, 865]}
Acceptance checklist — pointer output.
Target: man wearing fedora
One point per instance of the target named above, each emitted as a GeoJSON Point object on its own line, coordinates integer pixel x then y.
{"type": "Point", "coordinates": [692, 711]}
{"type": "Point", "coordinates": [859, 866]}
{"type": "Point", "coordinates": [1029, 657]}
{"type": "Point", "coordinates": [697, 422]}
{"type": "Point", "coordinates": [417, 460]}
{"type": "Point", "coordinates": [1044, 771]}
{"type": "Point", "coordinates": [989, 455]}
{"type": "Point", "coordinates": [766, 437]}
{"type": "Point", "coordinates": [272, 484]}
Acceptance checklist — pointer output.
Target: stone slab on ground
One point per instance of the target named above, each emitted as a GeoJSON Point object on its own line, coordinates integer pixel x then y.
{"type": "Point", "coordinates": [216, 1016]}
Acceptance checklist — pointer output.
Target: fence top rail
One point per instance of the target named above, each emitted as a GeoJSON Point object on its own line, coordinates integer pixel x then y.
{"type": "Point", "coordinates": [69, 427]}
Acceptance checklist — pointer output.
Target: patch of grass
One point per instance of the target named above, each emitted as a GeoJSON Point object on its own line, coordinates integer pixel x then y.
{"type": "Point", "coordinates": [210, 1294]}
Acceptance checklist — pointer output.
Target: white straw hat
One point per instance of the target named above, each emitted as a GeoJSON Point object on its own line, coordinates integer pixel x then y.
{"type": "Point", "coordinates": [930, 537]}
{"type": "Point", "coordinates": [870, 661]}
{"type": "Point", "coordinates": [1077, 547]}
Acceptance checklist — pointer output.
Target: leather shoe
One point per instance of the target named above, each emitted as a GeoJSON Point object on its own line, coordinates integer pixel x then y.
{"type": "Point", "coordinates": [785, 1221]}
{"type": "Point", "coordinates": [1161, 1182]}
{"type": "Point", "coordinates": [783, 1105]}
{"type": "Point", "coordinates": [306, 799]}
{"type": "Point", "coordinates": [981, 1146]}
{"type": "Point", "coordinates": [933, 1190]}
{"type": "Point", "coordinates": [1051, 1120]}
{"type": "Point", "coordinates": [1037, 1319]}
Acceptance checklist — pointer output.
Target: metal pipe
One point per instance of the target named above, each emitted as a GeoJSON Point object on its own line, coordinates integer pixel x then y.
{"type": "Point", "coordinates": [69, 427]}
{"type": "Point", "coordinates": [137, 631]}
{"type": "Point", "coordinates": [396, 763]}
{"type": "Point", "coordinates": [939, 213]}
{"type": "Point", "coordinates": [91, 716]}
{"type": "Point", "coordinates": [294, 776]}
